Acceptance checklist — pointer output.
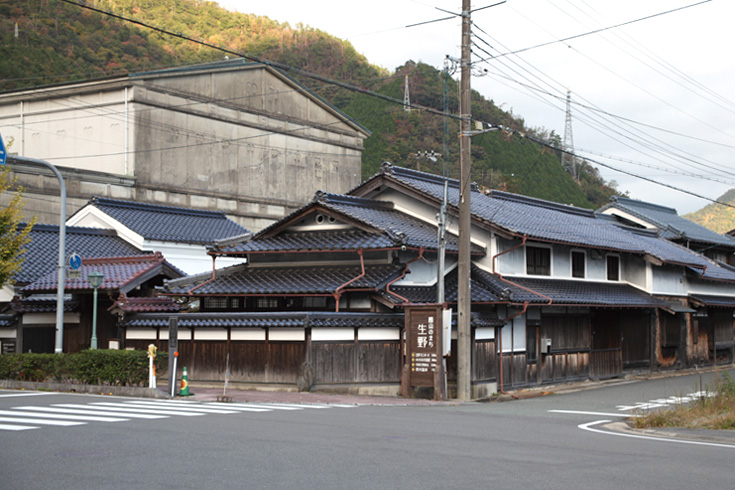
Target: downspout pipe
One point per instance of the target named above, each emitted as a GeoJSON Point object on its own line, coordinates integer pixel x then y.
{"type": "Point", "coordinates": [405, 271]}
{"type": "Point", "coordinates": [338, 291]}
{"type": "Point", "coordinates": [494, 261]}
{"type": "Point", "coordinates": [214, 275]}
{"type": "Point", "coordinates": [505, 320]}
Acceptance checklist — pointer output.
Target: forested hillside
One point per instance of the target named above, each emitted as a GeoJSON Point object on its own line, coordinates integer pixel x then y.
{"type": "Point", "coordinates": [57, 42]}
{"type": "Point", "coordinates": [717, 217]}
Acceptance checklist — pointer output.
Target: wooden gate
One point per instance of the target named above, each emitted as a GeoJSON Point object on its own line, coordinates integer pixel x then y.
{"type": "Point", "coordinates": [606, 363]}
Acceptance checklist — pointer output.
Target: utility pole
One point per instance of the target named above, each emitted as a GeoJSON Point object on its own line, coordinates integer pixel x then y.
{"type": "Point", "coordinates": [464, 300]}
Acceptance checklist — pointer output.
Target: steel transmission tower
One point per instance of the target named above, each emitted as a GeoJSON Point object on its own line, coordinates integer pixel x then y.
{"type": "Point", "coordinates": [406, 96]}
{"type": "Point", "coordinates": [567, 156]}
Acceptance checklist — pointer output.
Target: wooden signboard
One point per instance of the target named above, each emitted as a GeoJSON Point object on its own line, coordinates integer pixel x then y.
{"type": "Point", "coordinates": [423, 364]}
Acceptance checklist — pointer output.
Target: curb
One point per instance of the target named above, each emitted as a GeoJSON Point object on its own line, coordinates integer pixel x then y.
{"type": "Point", "coordinates": [134, 391]}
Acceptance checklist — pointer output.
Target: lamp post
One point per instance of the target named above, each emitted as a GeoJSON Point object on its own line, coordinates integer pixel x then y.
{"type": "Point", "coordinates": [95, 280]}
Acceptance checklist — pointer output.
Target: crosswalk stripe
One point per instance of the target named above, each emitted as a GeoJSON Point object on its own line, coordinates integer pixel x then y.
{"type": "Point", "coordinates": [240, 407]}
{"type": "Point", "coordinates": [91, 411]}
{"type": "Point", "coordinates": [255, 405]}
{"type": "Point", "coordinates": [306, 405]}
{"type": "Point", "coordinates": [60, 416]}
{"type": "Point", "coordinates": [175, 406]}
{"type": "Point", "coordinates": [64, 423]}
{"type": "Point", "coordinates": [16, 427]}
{"type": "Point", "coordinates": [8, 395]}
{"type": "Point", "coordinates": [125, 407]}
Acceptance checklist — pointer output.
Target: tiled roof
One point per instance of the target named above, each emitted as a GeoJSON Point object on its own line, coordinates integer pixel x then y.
{"type": "Point", "coordinates": [169, 223]}
{"type": "Point", "coordinates": [7, 320]}
{"type": "Point", "coordinates": [391, 228]}
{"type": "Point", "coordinates": [270, 319]}
{"type": "Point", "coordinates": [129, 305]}
{"type": "Point", "coordinates": [243, 279]}
{"type": "Point", "coordinates": [668, 221]}
{"type": "Point", "coordinates": [120, 273]}
{"type": "Point", "coordinates": [546, 221]}
{"type": "Point", "coordinates": [43, 304]}
{"type": "Point", "coordinates": [583, 293]}
{"type": "Point", "coordinates": [713, 301]}
{"type": "Point", "coordinates": [517, 214]}
{"type": "Point", "coordinates": [482, 290]}
{"type": "Point", "coordinates": [314, 240]}
{"type": "Point", "coordinates": [42, 252]}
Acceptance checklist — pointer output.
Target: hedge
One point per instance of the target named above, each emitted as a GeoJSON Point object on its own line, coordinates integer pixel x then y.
{"type": "Point", "coordinates": [97, 367]}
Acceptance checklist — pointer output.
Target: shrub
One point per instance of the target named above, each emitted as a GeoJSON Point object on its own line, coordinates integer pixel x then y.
{"type": "Point", "coordinates": [101, 367]}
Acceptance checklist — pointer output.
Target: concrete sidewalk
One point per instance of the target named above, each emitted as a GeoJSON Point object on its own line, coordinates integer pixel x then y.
{"type": "Point", "coordinates": [235, 395]}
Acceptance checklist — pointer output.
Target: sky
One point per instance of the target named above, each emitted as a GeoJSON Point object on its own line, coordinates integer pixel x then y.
{"type": "Point", "coordinates": [654, 98]}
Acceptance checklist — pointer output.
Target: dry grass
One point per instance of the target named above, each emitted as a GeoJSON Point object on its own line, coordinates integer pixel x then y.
{"type": "Point", "coordinates": [713, 412]}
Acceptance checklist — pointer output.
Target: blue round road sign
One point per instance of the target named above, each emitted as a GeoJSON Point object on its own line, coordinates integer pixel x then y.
{"type": "Point", "coordinates": [75, 261]}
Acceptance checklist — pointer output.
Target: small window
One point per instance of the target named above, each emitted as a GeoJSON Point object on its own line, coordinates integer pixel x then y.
{"type": "Point", "coordinates": [315, 302]}
{"type": "Point", "coordinates": [578, 262]}
{"type": "Point", "coordinates": [267, 303]}
{"type": "Point", "coordinates": [538, 261]}
{"type": "Point", "coordinates": [215, 303]}
{"type": "Point", "coordinates": [613, 268]}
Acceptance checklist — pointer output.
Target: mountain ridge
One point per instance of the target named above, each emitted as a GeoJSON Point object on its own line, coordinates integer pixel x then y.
{"type": "Point", "coordinates": [58, 42]}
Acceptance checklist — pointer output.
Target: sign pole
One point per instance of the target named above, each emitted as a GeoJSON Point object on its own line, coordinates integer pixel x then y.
{"type": "Point", "coordinates": [59, 343]}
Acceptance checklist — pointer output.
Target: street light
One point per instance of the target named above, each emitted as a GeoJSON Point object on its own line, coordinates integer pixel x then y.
{"type": "Point", "coordinates": [95, 280]}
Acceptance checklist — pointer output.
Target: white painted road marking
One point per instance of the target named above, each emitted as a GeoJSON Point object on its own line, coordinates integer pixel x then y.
{"type": "Point", "coordinates": [588, 427]}
{"type": "Point", "coordinates": [147, 409]}
{"type": "Point", "coordinates": [90, 411]}
{"type": "Point", "coordinates": [9, 395]}
{"type": "Point", "coordinates": [16, 427]}
{"type": "Point", "coordinates": [70, 414]}
{"type": "Point", "coordinates": [178, 407]}
{"type": "Point", "coordinates": [60, 416]}
{"type": "Point", "coordinates": [23, 420]}
{"type": "Point", "coordinates": [663, 402]}
{"type": "Point", "coordinates": [601, 414]}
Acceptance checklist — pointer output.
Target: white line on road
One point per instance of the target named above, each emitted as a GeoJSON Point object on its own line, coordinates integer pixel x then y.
{"type": "Point", "coordinates": [240, 407]}
{"type": "Point", "coordinates": [125, 407]}
{"type": "Point", "coordinates": [64, 423]}
{"type": "Point", "coordinates": [260, 406]}
{"type": "Point", "coordinates": [25, 394]}
{"type": "Point", "coordinates": [296, 405]}
{"type": "Point", "coordinates": [175, 406]}
{"type": "Point", "coordinates": [63, 417]}
{"type": "Point", "coordinates": [588, 426]}
{"type": "Point", "coordinates": [90, 411]}
{"type": "Point", "coordinates": [601, 414]}
{"type": "Point", "coordinates": [16, 427]}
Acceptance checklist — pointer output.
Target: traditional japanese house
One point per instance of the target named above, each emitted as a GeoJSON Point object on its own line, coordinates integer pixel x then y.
{"type": "Point", "coordinates": [558, 293]}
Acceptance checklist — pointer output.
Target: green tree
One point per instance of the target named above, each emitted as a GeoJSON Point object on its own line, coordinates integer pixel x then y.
{"type": "Point", "coordinates": [13, 236]}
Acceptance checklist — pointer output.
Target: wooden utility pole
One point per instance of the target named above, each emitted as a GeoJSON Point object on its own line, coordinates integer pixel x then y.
{"type": "Point", "coordinates": [464, 333]}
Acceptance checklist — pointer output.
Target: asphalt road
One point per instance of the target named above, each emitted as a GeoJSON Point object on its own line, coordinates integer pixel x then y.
{"type": "Point", "coordinates": [556, 441]}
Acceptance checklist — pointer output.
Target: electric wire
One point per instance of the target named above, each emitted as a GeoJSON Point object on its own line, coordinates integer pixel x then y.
{"type": "Point", "coordinates": [360, 89]}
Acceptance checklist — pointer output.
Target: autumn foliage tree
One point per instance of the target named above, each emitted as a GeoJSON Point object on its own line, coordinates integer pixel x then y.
{"type": "Point", "coordinates": [13, 236]}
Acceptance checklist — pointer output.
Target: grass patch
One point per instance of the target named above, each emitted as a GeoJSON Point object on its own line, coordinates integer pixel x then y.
{"type": "Point", "coordinates": [709, 412]}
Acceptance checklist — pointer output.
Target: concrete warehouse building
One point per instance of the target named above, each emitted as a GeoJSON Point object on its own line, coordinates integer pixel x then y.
{"type": "Point", "coordinates": [231, 136]}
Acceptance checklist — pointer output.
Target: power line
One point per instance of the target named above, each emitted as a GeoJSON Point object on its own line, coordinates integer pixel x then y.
{"type": "Point", "coordinates": [274, 64]}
